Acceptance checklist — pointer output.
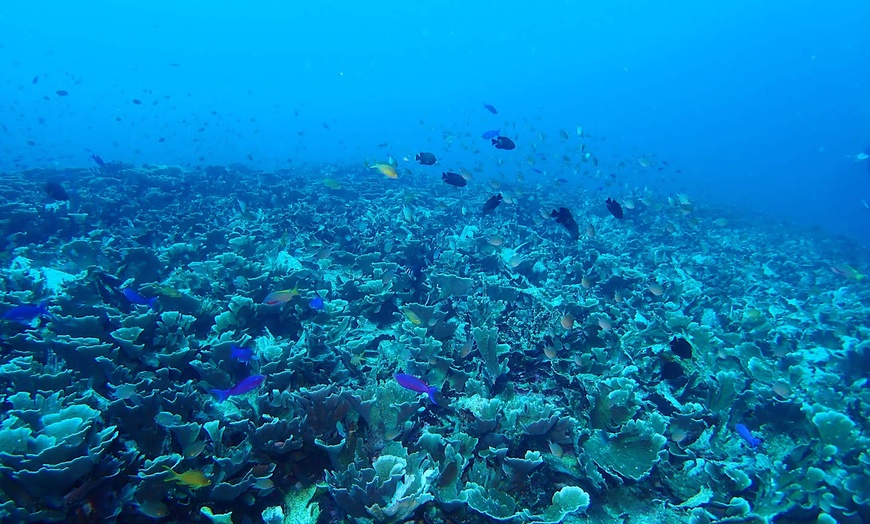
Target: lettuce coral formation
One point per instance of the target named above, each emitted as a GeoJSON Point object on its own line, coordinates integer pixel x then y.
{"type": "Point", "coordinates": [560, 396]}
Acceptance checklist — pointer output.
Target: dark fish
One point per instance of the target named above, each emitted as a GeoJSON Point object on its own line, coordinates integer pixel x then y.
{"type": "Point", "coordinates": [490, 109]}
{"type": "Point", "coordinates": [490, 205]}
{"type": "Point", "coordinates": [563, 216]}
{"type": "Point", "coordinates": [55, 190]}
{"type": "Point", "coordinates": [137, 101]}
{"type": "Point", "coordinates": [427, 159]}
{"type": "Point", "coordinates": [453, 179]}
{"type": "Point", "coordinates": [492, 133]}
{"type": "Point", "coordinates": [503, 142]}
{"type": "Point", "coordinates": [96, 158]}
{"type": "Point", "coordinates": [35, 79]}
{"type": "Point", "coordinates": [61, 92]}
{"type": "Point", "coordinates": [614, 208]}
{"type": "Point", "coordinates": [681, 347]}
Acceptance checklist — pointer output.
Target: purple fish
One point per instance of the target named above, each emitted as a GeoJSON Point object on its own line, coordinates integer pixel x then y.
{"type": "Point", "coordinates": [134, 297]}
{"type": "Point", "coordinates": [25, 313]}
{"type": "Point", "coordinates": [415, 384]}
{"type": "Point", "coordinates": [241, 354]}
{"type": "Point", "coordinates": [317, 303]}
{"type": "Point", "coordinates": [490, 134]}
{"type": "Point", "coordinates": [746, 435]}
{"type": "Point", "coordinates": [248, 384]}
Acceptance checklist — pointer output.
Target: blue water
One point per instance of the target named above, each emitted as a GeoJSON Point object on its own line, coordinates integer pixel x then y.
{"type": "Point", "coordinates": [758, 105]}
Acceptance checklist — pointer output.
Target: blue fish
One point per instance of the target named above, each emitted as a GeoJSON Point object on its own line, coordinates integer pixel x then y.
{"type": "Point", "coordinates": [135, 298]}
{"type": "Point", "coordinates": [490, 109]}
{"type": "Point", "coordinates": [26, 313]}
{"type": "Point", "coordinates": [490, 134]}
{"type": "Point", "coordinates": [241, 354]}
{"type": "Point", "coordinates": [415, 384]}
{"type": "Point", "coordinates": [249, 384]}
{"type": "Point", "coordinates": [317, 303]}
{"type": "Point", "coordinates": [747, 435]}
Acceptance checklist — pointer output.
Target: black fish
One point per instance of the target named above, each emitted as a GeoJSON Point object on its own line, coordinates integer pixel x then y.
{"type": "Point", "coordinates": [96, 158]}
{"type": "Point", "coordinates": [61, 92]}
{"type": "Point", "coordinates": [503, 142]}
{"type": "Point", "coordinates": [491, 204]}
{"type": "Point", "coordinates": [564, 217]}
{"type": "Point", "coordinates": [427, 159]}
{"type": "Point", "coordinates": [490, 109]}
{"type": "Point", "coordinates": [453, 179]}
{"type": "Point", "coordinates": [55, 190]}
{"type": "Point", "coordinates": [681, 347]}
{"type": "Point", "coordinates": [614, 208]}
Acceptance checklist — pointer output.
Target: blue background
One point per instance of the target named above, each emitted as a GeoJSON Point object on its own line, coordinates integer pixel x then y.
{"type": "Point", "coordinates": [758, 103]}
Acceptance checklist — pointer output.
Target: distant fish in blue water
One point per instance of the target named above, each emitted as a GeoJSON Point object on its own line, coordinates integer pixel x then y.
{"type": "Point", "coordinates": [249, 384]}
{"type": "Point", "coordinates": [747, 435]}
{"type": "Point", "coordinates": [490, 108]}
{"type": "Point", "coordinates": [415, 384]}
{"type": "Point", "coordinates": [134, 297]}
{"type": "Point", "coordinates": [55, 190]}
{"type": "Point", "coordinates": [96, 158]}
{"type": "Point", "coordinates": [493, 202]}
{"type": "Point", "coordinates": [240, 354]}
{"type": "Point", "coordinates": [492, 133]}
{"type": "Point", "coordinates": [25, 314]}
{"type": "Point", "coordinates": [563, 216]}
{"type": "Point", "coordinates": [427, 159]}
{"type": "Point", "coordinates": [453, 179]}
{"type": "Point", "coordinates": [614, 208]}
{"type": "Point", "coordinates": [503, 142]}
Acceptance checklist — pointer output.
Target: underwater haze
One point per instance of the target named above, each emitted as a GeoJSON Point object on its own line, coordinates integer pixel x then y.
{"type": "Point", "coordinates": [435, 262]}
{"type": "Point", "coordinates": [760, 104]}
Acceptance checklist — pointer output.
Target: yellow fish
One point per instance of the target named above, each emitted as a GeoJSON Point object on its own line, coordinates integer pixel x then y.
{"type": "Point", "coordinates": [281, 297]}
{"type": "Point", "coordinates": [847, 271]}
{"type": "Point", "coordinates": [413, 317]}
{"type": "Point", "coordinates": [332, 183]}
{"type": "Point", "coordinates": [193, 479]}
{"type": "Point", "coordinates": [168, 291]}
{"type": "Point", "coordinates": [387, 170]}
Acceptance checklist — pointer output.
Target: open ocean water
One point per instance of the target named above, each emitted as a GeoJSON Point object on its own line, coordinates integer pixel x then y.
{"type": "Point", "coordinates": [435, 262]}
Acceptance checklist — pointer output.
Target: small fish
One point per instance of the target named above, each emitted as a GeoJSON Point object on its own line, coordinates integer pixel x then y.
{"type": "Point", "coordinates": [453, 179]}
{"type": "Point", "coordinates": [747, 435]}
{"type": "Point", "coordinates": [193, 479]}
{"type": "Point", "coordinates": [35, 80]}
{"type": "Point", "coordinates": [281, 297]}
{"type": "Point", "coordinates": [135, 298]}
{"type": "Point", "coordinates": [240, 354]}
{"type": "Point", "coordinates": [249, 384]}
{"type": "Point", "coordinates": [681, 347]}
{"type": "Point", "coordinates": [426, 159]}
{"type": "Point", "coordinates": [415, 384]}
{"type": "Point", "coordinates": [412, 317]}
{"type": "Point", "coordinates": [503, 142]}
{"type": "Point", "coordinates": [61, 92]}
{"type": "Point", "coordinates": [493, 202]}
{"type": "Point", "coordinates": [387, 170]}
{"type": "Point", "coordinates": [332, 183]}
{"type": "Point", "coordinates": [152, 508]}
{"type": "Point", "coordinates": [56, 191]}
{"type": "Point", "coordinates": [490, 109]}
{"type": "Point", "coordinates": [137, 102]}
{"type": "Point", "coordinates": [317, 303]}
{"type": "Point", "coordinates": [25, 314]}
{"type": "Point", "coordinates": [96, 158]}
{"type": "Point", "coordinates": [563, 216]}
{"type": "Point", "coordinates": [490, 134]}
{"type": "Point", "coordinates": [847, 271]}
{"type": "Point", "coordinates": [614, 208]}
